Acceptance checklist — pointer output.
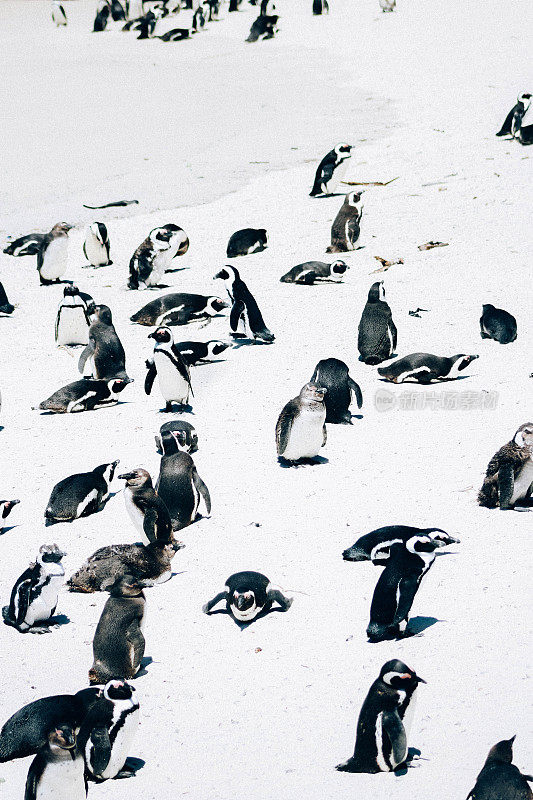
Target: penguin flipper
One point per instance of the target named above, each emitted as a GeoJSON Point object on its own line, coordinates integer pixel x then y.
{"type": "Point", "coordinates": [32, 781]}
{"type": "Point", "coordinates": [150, 376]}
{"type": "Point", "coordinates": [283, 432]}
{"type": "Point", "coordinates": [505, 485]}
{"type": "Point", "coordinates": [23, 592]}
{"type": "Point", "coordinates": [324, 435]}
{"type": "Point", "coordinates": [202, 488]}
{"type": "Point", "coordinates": [394, 332]}
{"type": "Point", "coordinates": [150, 523]}
{"type": "Point", "coordinates": [235, 314]}
{"type": "Point", "coordinates": [506, 127]}
{"type": "Point", "coordinates": [393, 727]}
{"type": "Point", "coordinates": [85, 252]}
{"type": "Point", "coordinates": [408, 588]}
{"type": "Point", "coordinates": [56, 329]}
{"type": "Point", "coordinates": [101, 752]}
{"type": "Point", "coordinates": [87, 352]}
{"type": "Point", "coordinates": [212, 603]}
{"type": "Point", "coordinates": [356, 389]}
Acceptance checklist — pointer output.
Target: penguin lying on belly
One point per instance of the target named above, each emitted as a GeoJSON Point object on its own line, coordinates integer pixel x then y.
{"type": "Point", "coordinates": [80, 495]}
{"type": "Point", "coordinates": [84, 395]}
{"type": "Point", "coordinates": [424, 368]}
{"type": "Point", "coordinates": [375, 546]}
{"type": "Point", "coordinates": [248, 594]}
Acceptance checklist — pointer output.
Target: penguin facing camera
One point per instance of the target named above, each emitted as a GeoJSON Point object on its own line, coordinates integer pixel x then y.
{"type": "Point", "coordinates": [508, 482]}
{"type": "Point", "coordinates": [172, 372]}
{"type": "Point", "coordinates": [301, 426]}
{"type": "Point", "coordinates": [153, 256]}
{"type": "Point", "coordinates": [73, 318]}
{"type": "Point", "coordinates": [184, 434]}
{"type": "Point", "coordinates": [34, 596]}
{"type": "Point", "coordinates": [247, 595]}
{"type": "Point", "coordinates": [58, 770]}
{"type": "Point", "coordinates": [52, 255]}
{"type": "Point", "coordinates": [96, 245]}
{"type": "Point", "coordinates": [333, 375]}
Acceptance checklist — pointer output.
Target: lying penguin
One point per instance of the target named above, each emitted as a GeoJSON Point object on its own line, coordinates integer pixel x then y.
{"type": "Point", "coordinates": [35, 594]}
{"type": "Point", "coordinates": [81, 494]}
{"type": "Point", "coordinates": [84, 395]}
{"type": "Point", "coordinates": [375, 546]}
{"type": "Point", "coordinates": [311, 271]}
{"type": "Point", "coordinates": [6, 507]}
{"type": "Point", "coordinates": [248, 594]}
{"type": "Point", "coordinates": [151, 563]}
{"type": "Point", "coordinates": [424, 368]}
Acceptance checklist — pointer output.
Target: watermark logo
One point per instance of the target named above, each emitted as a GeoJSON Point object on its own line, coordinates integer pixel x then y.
{"type": "Point", "coordinates": [411, 400]}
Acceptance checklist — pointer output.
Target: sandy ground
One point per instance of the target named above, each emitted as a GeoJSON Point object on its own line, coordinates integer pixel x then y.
{"type": "Point", "coordinates": [267, 712]}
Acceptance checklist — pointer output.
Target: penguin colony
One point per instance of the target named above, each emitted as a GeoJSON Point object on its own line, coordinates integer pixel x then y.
{"type": "Point", "coordinates": [87, 736]}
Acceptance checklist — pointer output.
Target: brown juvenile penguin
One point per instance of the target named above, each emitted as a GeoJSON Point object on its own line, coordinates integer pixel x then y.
{"type": "Point", "coordinates": [500, 779]}
{"type": "Point", "coordinates": [147, 511]}
{"type": "Point", "coordinates": [509, 476]}
{"type": "Point", "coordinates": [345, 229]}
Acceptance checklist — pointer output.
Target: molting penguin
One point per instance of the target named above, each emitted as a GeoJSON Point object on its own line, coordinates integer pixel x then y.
{"type": "Point", "coordinates": [5, 305]}
{"type": "Point", "coordinates": [58, 770]}
{"type": "Point", "coordinates": [311, 271]}
{"type": "Point", "coordinates": [194, 352]}
{"type": "Point", "coordinates": [513, 120]}
{"type": "Point", "coordinates": [245, 313]}
{"type": "Point", "coordinates": [153, 256]}
{"type": "Point", "coordinates": [172, 372]}
{"type": "Point", "coordinates": [346, 225]}
{"type": "Point", "coordinates": [151, 563]}
{"type": "Point", "coordinates": [377, 337]}
{"type": "Point", "coordinates": [424, 368]}
{"type": "Point", "coordinates": [6, 507]}
{"type": "Point", "coordinates": [84, 395]}
{"type": "Point", "coordinates": [35, 594]}
{"type": "Point", "coordinates": [333, 166]}
{"type": "Point", "coordinates": [58, 13]}
{"type": "Point", "coordinates": [246, 241]}
{"type": "Point", "coordinates": [27, 245]}
{"type": "Point", "coordinates": [146, 509]}
{"type": "Point", "coordinates": [52, 255]}
{"type": "Point", "coordinates": [118, 644]}
{"type": "Point", "coordinates": [179, 486]}
{"type": "Point", "coordinates": [96, 245]}
{"type": "Point", "coordinates": [497, 324]}
{"type": "Point", "coordinates": [332, 374]}
{"type": "Point", "coordinates": [382, 730]}
{"type": "Point", "coordinates": [179, 308]}
{"type": "Point", "coordinates": [375, 546]}
{"type": "Point", "coordinates": [104, 356]}
{"type": "Point", "coordinates": [184, 435]}
{"type": "Point", "coordinates": [397, 586]}
{"type": "Point", "coordinates": [81, 494]}
{"type": "Point", "coordinates": [509, 476]}
{"type": "Point", "coordinates": [248, 594]}
{"type": "Point", "coordinates": [73, 318]}
{"type": "Point", "coordinates": [500, 779]}
{"type": "Point", "coordinates": [301, 426]}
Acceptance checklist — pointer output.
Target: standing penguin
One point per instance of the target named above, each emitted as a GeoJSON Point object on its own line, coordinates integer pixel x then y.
{"type": "Point", "coordinates": [6, 507]}
{"type": "Point", "coordinates": [333, 375]}
{"type": "Point", "coordinates": [80, 495]}
{"type": "Point", "coordinates": [500, 779]}
{"type": "Point", "coordinates": [382, 729]}
{"type": "Point", "coordinates": [179, 486]}
{"type": "Point", "coordinates": [35, 594]}
{"type": "Point", "coordinates": [58, 770]}
{"type": "Point", "coordinates": [118, 644]}
{"type": "Point", "coordinates": [73, 318]}
{"type": "Point", "coordinates": [5, 305]}
{"type": "Point", "coordinates": [301, 426]}
{"type": "Point", "coordinates": [146, 509]}
{"type": "Point", "coordinates": [320, 7]}
{"type": "Point", "coordinates": [333, 166]}
{"type": "Point", "coordinates": [246, 241]}
{"type": "Point", "coordinates": [153, 256]}
{"type": "Point", "coordinates": [104, 356]}
{"type": "Point", "coordinates": [346, 225]}
{"type": "Point", "coordinates": [52, 254]}
{"type": "Point", "coordinates": [509, 476]}
{"type": "Point", "coordinates": [245, 311]}
{"type": "Point", "coordinates": [377, 336]}
{"type": "Point", "coordinates": [184, 435]}
{"type": "Point", "coordinates": [248, 594]}
{"type": "Point", "coordinates": [58, 13]}
{"type": "Point", "coordinates": [497, 324]}
{"type": "Point", "coordinates": [513, 120]}
{"type": "Point", "coordinates": [103, 11]}
{"type": "Point", "coordinates": [96, 245]}
{"type": "Point", "coordinates": [171, 370]}
{"type": "Point", "coordinates": [397, 586]}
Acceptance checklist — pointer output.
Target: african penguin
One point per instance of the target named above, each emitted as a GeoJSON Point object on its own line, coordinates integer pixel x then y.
{"type": "Point", "coordinates": [179, 486]}
{"type": "Point", "coordinates": [171, 369]}
{"type": "Point", "coordinates": [81, 494]}
{"type": "Point", "coordinates": [509, 476]}
{"type": "Point", "coordinates": [184, 434]}
{"type": "Point", "coordinates": [84, 395]}
{"type": "Point", "coordinates": [375, 546]}
{"type": "Point", "coordinates": [117, 11]}
{"type": "Point", "coordinates": [301, 426]}
{"type": "Point", "coordinates": [58, 13]}
{"type": "Point", "coordinates": [262, 28]}
{"type": "Point", "coordinates": [248, 594]}
{"type": "Point", "coordinates": [5, 305]}
{"type": "Point", "coordinates": [96, 245]}
{"type": "Point", "coordinates": [245, 313]}
{"type": "Point", "coordinates": [103, 357]}
{"type": "Point", "coordinates": [6, 507]}
{"type": "Point", "coordinates": [311, 271]}
{"type": "Point", "coordinates": [424, 368]}
{"type": "Point", "coordinates": [146, 509]}
{"type": "Point", "coordinates": [346, 225]}
{"type": "Point", "coordinates": [53, 254]}
{"type": "Point", "coordinates": [500, 779]}
{"type": "Point", "coordinates": [151, 563]}
{"type": "Point", "coordinates": [35, 593]}
{"type": "Point", "coordinates": [320, 7]}
{"type": "Point", "coordinates": [333, 375]}
{"type": "Point", "coordinates": [73, 318]}
{"type": "Point", "coordinates": [387, 5]}
{"type": "Point", "coordinates": [267, 8]}
{"type": "Point", "coordinates": [153, 256]}
{"type": "Point", "coordinates": [179, 308]}
{"type": "Point", "coordinates": [103, 11]}
{"type": "Point", "coordinates": [194, 352]}
{"type": "Point", "coordinates": [333, 166]}
{"type": "Point", "coordinates": [513, 120]}
{"type": "Point", "coordinates": [381, 739]}
{"type": "Point", "coordinates": [27, 245]}
{"type": "Point", "coordinates": [246, 241]}
{"type": "Point", "coordinates": [377, 335]}
{"type": "Point", "coordinates": [58, 770]}
{"type": "Point", "coordinates": [497, 324]}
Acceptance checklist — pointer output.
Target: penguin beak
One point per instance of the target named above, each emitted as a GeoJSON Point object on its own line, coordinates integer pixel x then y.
{"type": "Point", "coordinates": [421, 680]}
{"type": "Point", "coordinates": [126, 476]}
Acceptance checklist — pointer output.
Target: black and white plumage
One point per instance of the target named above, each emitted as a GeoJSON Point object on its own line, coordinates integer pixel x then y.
{"type": "Point", "coordinates": [175, 35]}
{"type": "Point", "coordinates": [153, 256]}
{"type": "Point", "coordinates": [267, 7]}
{"type": "Point", "coordinates": [73, 318]}
{"type": "Point", "coordinates": [6, 507]}
{"type": "Point", "coordinates": [246, 241]}
{"type": "Point", "coordinates": [84, 395]}
{"type": "Point", "coordinates": [248, 594]}
{"type": "Point", "coordinates": [346, 225]}
{"type": "Point", "coordinates": [333, 375]}
{"type": "Point", "coordinates": [513, 121]}
{"type": "Point", "coordinates": [500, 779]}
{"type": "Point", "coordinates": [262, 28]}
{"type": "Point", "coordinates": [311, 271]}
{"type": "Point", "coordinates": [497, 324]}
{"type": "Point", "coordinates": [150, 563]}
{"type": "Point", "coordinates": [58, 770]}
{"type": "Point", "coordinates": [301, 426]}
{"type": "Point", "coordinates": [381, 743]}
{"type": "Point", "coordinates": [179, 308]}
{"type": "Point", "coordinates": [5, 305]}
{"type": "Point", "coordinates": [179, 486]}
{"type": "Point", "coordinates": [375, 546]}
{"type": "Point", "coordinates": [117, 11]}
{"type": "Point", "coordinates": [171, 369]}
{"type": "Point", "coordinates": [320, 7]}
{"type": "Point", "coordinates": [194, 352]}
{"type": "Point", "coordinates": [52, 256]}
{"type": "Point", "coordinates": [397, 586]}
{"type": "Point", "coordinates": [145, 508]}
{"type": "Point", "coordinates": [103, 11]}
{"type": "Point", "coordinates": [27, 245]}
{"type": "Point", "coordinates": [96, 245]}
{"type": "Point", "coordinates": [377, 334]}
{"type": "Point", "coordinates": [80, 495]}
{"type": "Point", "coordinates": [104, 356]}
{"type": "Point", "coordinates": [35, 593]}
{"type": "Point", "coordinates": [508, 481]}
{"type": "Point", "coordinates": [184, 434]}
{"type": "Point", "coordinates": [333, 166]}
{"type": "Point", "coordinates": [425, 367]}
{"type": "Point", "coordinates": [58, 13]}
{"type": "Point", "coordinates": [245, 313]}
{"type": "Point", "coordinates": [387, 5]}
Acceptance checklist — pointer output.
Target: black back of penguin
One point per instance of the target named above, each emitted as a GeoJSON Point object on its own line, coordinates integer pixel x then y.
{"type": "Point", "coordinates": [333, 374]}
{"type": "Point", "coordinates": [80, 495]}
{"type": "Point", "coordinates": [500, 779]}
{"type": "Point", "coordinates": [247, 240]}
{"type": "Point", "coordinates": [179, 486]}
{"type": "Point", "coordinates": [376, 545]}
{"type": "Point", "coordinates": [105, 348]}
{"type": "Point", "coordinates": [377, 336]}
{"type": "Point", "coordinates": [497, 324]}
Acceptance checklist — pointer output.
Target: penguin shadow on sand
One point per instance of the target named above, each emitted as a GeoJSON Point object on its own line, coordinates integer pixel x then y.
{"type": "Point", "coordinates": [413, 754]}
{"type": "Point", "coordinates": [185, 409]}
{"type": "Point", "coordinates": [302, 462]}
{"type": "Point", "coordinates": [245, 341]}
{"type": "Point", "coordinates": [417, 625]}
{"type": "Point", "coordinates": [145, 662]}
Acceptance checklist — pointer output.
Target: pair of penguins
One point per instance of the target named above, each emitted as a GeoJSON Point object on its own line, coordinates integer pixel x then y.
{"type": "Point", "coordinates": [52, 250]}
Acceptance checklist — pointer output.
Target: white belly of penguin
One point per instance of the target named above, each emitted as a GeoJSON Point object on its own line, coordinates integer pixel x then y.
{"type": "Point", "coordinates": [55, 259]}
{"type": "Point", "coordinates": [41, 608]}
{"type": "Point", "coordinates": [62, 780]}
{"type": "Point", "coordinates": [124, 737]}
{"type": "Point", "coordinates": [72, 328]}
{"type": "Point", "coordinates": [159, 264]}
{"type": "Point", "coordinates": [95, 251]}
{"type": "Point", "coordinates": [171, 384]}
{"type": "Point", "coordinates": [523, 482]}
{"type": "Point", "coordinates": [135, 514]}
{"type": "Point", "coordinates": [306, 436]}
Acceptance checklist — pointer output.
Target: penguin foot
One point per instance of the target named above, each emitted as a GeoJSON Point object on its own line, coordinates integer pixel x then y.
{"type": "Point", "coordinates": [40, 629]}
